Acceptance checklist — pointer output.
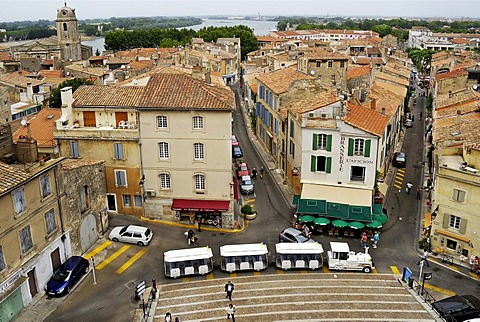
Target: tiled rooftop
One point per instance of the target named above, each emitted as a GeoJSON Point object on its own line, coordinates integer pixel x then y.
{"type": "Point", "coordinates": [11, 177]}
{"type": "Point", "coordinates": [279, 80]}
{"type": "Point", "coordinates": [312, 103]}
{"type": "Point", "coordinates": [19, 80]}
{"type": "Point", "coordinates": [107, 96]}
{"type": "Point", "coordinates": [355, 71]}
{"type": "Point", "coordinates": [391, 78]}
{"type": "Point", "coordinates": [366, 119]}
{"type": "Point", "coordinates": [456, 98]}
{"type": "Point", "coordinates": [325, 54]}
{"type": "Point", "coordinates": [77, 163]}
{"type": "Point", "coordinates": [452, 74]}
{"type": "Point", "coordinates": [452, 110]}
{"type": "Point", "coordinates": [40, 127]}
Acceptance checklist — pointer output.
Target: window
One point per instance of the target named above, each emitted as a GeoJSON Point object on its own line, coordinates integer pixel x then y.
{"type": "Point", "coordinates": [454, 222]}
{"type": "Point", "coordinates": [332, 78]}
{"type": "Point", "coordinates": [26, 242]}
{"type": "Point", "coordinates": [165, 181]}
{"type": "Point", "coordinates": [163, 152]}
{"type": "Point", "coordinates": [127, 200]}
{"type": "Point", "coordinates": [291, 128]}
{"type": "Point", "coordinates": [321, 164]}
{"type": "Point", "coordinates": [458, 195]}
{"type": "Point", "coordinates": [199, 182]}
{"type": "Point", "coordinates": [162, 122]}
{"type": "Point", "coordinates": [330, 64]}
{"type": "Point", "coordinates": [198, 122]}
{"type": "Point", "coordinates": [2, 260]}
{"type": "Point", "coordinates": [358, 147]}
{"type": "Point", "coordinates": [74, 152]}
{"type": "Point", "coordinates": [45, 188]}
{"type": "Point", "coordinates": [198, 153]}
{"type": "Point", "coordinates": [118, 151]}
{"type": "Point", "coordinates": [342, 64]}
{"type": "Point", "coordinates": [138, 200]}
{"type": "Point", "coordinates": [19, 201]}
{"type": "Point", "coordinates": [322, 142]}
{"type": "Point", "coordinates": [84, 199]}
{"type": "Point", "coordinates": [65, 26]}
{"type": "Point", "coordinates": [319, 63]}
{"type": "Point", "coordinates": [120, 178]}
{"type": "Point", "coordinates": [292, 149]}
{"type": "Point", "coordinates": [357, 174]}
{"type": "Point", "coordinates": [50, 221]}
{"type": "Point", "coordinates": [89, 119]}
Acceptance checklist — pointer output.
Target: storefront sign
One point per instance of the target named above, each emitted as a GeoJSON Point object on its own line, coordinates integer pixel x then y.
{"type": "Point", "coordinates": [342, 154]}
{"type": "Point", "coordinates": [360, 161]}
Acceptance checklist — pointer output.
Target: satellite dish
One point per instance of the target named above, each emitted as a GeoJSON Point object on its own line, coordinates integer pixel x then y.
{"type": "Point", "coordinates": [23, 122]}
{"type": "Point", "coordinates": [312, 72]}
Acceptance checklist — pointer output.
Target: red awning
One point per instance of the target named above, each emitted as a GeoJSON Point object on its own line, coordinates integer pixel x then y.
{"type": "Point", "coordinates": [200, 205]}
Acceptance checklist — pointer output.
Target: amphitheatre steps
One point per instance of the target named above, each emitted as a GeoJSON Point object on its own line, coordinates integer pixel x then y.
{"type": "Point", "coordinates": [294, 297]}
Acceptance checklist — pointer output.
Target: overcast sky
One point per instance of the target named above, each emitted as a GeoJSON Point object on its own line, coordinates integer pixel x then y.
{"type": "Point", "coordinates": [15, 10]}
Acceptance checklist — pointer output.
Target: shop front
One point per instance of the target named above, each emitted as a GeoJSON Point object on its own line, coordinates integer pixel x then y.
{"type": "Point", "coordinates": [208, 212]}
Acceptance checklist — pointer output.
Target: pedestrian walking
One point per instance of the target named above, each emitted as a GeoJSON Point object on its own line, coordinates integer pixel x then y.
{"type": "Point", "coordinates": [262, 170]}
{"type": "Point", "coordinates": [229, 290]}
{"type": "Point", "coordinates": [168, 317]}
{"type": "Point", "coordinates": [199, 222]}
{"type": "Point", "coordinates": [419, 193]}
{"type": "Point", "coordinates": [177, 320]}
{"type": "Point", "coordinates": [376, 238]}
{"type": "Point", "coordinates": [409, 187]}
{"type": "Point", "coordinates": [231, 311]}
{"type": "Point", "coordinates": [254, 173]}
{"type": "Point", "coordinates": [306, 230]}
{"type": "Point", "coordinates": [364, 240]}
{"type": "Point", "coordinates": [424, 258]}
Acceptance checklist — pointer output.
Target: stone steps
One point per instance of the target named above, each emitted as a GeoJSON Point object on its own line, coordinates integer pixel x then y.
{"type": "Point", "coordinates": [295, 297]}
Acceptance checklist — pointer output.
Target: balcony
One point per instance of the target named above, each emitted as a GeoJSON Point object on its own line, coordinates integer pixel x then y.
{"type": "Point", "coordinates": [126, 133]}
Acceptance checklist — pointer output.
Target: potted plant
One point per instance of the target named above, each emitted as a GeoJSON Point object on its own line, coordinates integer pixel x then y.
{"type": "Point", "coordinates": [248, 212]}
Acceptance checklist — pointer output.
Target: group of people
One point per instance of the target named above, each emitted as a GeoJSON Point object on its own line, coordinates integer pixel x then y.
{"type": "Point", "coordinates": [254, 173]}
{"type": "Point", "coordinates": [230, 310]}
{"type": "Point", "coordinates": [375, 238]}
{"type": "Point", "coordinates": [474, 264]}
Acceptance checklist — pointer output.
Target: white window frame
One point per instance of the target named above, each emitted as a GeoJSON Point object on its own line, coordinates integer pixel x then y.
{"type": "Point", "coordinates": [127, 200]}
{"type": "Point", "coordinates": [359, 147]}
{"type": "Point", "coordinates": [163, 150]}
{"type": "Point", "coordinates": [118, 152]}
{"type": "Point", "coordinates": [322, 140]}
{"type": "Point", "coordinates": [50, 224]}
{"type": "Point", "coordinates": [454, 222]}
{"type": "Point", "coordinates": [26, 241]}
{"type": "Point", "coordinates": [199, 180]}
{"type": "Point", "coordinates": [45, 187]}
{"type": "Point", "coordinates": [198, 151]}
{"type": "Point", "coordinates": [118, 178]}
{"type": "Point", "coordinates": [459, 195]}
{"type": "Point", "coordinates": [198, 123]}
{"type": "Point", "coordinates": [162, 122]}
{"type": "Point", "coordinates": [165, 181]}
{"type": "Point", "coordinates": [19, 202]}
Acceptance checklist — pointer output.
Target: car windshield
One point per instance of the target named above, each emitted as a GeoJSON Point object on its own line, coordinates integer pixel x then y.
{"type": "Point", "coordinates": [148, 232]}
{"type": "Point", "coordinates": [124, 229]}
{"type": "Point", "coordinates": [302, 238]}
{"type": "Point", "coordinates": [247, 182]}
{"type": "Point", "coordinates": [61, 275]}
{"type": "Point", "coordinates": [242, 168]}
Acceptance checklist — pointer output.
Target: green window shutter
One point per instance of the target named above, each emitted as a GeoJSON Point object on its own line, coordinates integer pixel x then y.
{"type": "Point", "coordinates": [367, 148]}
{"type": "Point", "coordinates": [329, 165]}
{"type": "Point", "coordinates": [313, 163]}
{"type": "Point", "coordinates": [350, 147]}
{"type": "Point", "coordinates": [446, 220]}
{"type": "Point", "coordinates": [315, 142]}
{"type": "Point", "coordinates": [463, 226]}
{"type": "Point", "coordinates": [329, 142]}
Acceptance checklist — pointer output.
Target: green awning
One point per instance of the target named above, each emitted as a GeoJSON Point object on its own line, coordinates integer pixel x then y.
{"type": "Point", "coordinates": [377, 209]}
{"type": "Point", "coordinates": [374, 224]}
{"type": "Point", "coordinates": [337, 210]}
{"type": "Point", "coordinates": [381, 218]}
{"type": "Point", "coordinates": [321, 221]}
{"type": "Point", "coordinates": [339, 223]}
{"type": "Point", "coordinates": [296, 198]}
{"type": "Point", "coordinates": [359, 213]}
{"type": "Point", "coordinates": [356, 225]}
{"type": "Point", "coordinates": [306, 218]}
{"type": "Point", "coordinates": [312, 207]}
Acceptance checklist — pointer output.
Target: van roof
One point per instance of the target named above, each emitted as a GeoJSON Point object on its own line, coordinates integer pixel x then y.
{"type": "Point", "coordinates": [299, 248]}
{"type": "Point", "coordinates": [339, 247]}
{"type": "Point", "coordinates": [180, 255]}
{"type": "Point", "coordinates": [244, 249]}
{"type": "Point", "coordinates": [137, 228]}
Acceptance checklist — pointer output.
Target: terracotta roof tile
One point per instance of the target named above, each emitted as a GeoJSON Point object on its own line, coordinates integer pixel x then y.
{"type": "Point", "coordinates": [384, 99]}
{"type": "Point", "coordinates": [366, 119]}
{"type": "Point", "coordinates": [452, 119]}
{"type": "Point", "coordinates": [439, 55]}
{"type": "Point", "coordinates": [51, 73]}
{"type": "Point", "coordinates": [41, 127]}
{"type": "Point", "coordinates": [459, 41]}
{"type": "Point", "coordinates": [447, 62]}
{"type": "Point", "coordinates": [5, 56]}
{"type": "Point", "coordinates": [325, 54]}
{"type": "Point", "coordinates": [97, 71]}
{"type": "Point", "coordinates": [180, 91]}
{"type": "Point", "coordinates": [452, 74]}
{"type": "Point", "coordinates": [451, 110]}
{"type": "Point", "coordinates": [19, 80]}
{"type": "Point", "coordinates": [391, 78]}
{"type": "Point", "coordinates": [368, 60]}
{"type": "Point", "coordinates": [270, 39]}
{"type": "Point", "coordinates": [399, 90]}
{"type": "Point", "coordinates": [11, 177]}
{"type": "Point", "coordinates": [279, 80]}
{"type": "Point", "coordinates": [355, 71]}
{"type": "Point", "coordinates": [110, 96]}
{"type": "Point", "coordinates": [466, 131]}
{"type": "Point", "coordinates": [69, 164]}
{"type": "Point", "coordinates": [312, 103]}
{"type": "Point", "coordinates": [456, 98]}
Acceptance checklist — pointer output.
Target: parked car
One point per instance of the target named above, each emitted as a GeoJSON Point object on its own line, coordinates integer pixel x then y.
{"type": "Point", "coordinates": [458, 308]}
{"type": "Point", "coordinates": [292, 235]}
{"type": "Point", "coordinates": [242, 170]}
{"type": "Point", "coordinates": [67, 275]}
{"type": "Point", "coordinates": [237, 151]}
{"type": "Point", "coordinates": [131, 234]}
{"type": "Point", "coordinates": [399, 160]}
{"type": "Point", "coordinates": [246, 185]}
{"type": "Point", "coordinates": [234, 140]}
{"type": "Point", "coordinates": [408, 123]}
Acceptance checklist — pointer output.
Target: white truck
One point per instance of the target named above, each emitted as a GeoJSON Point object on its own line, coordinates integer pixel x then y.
{"type": "Point", "coordinates": [341, 258]}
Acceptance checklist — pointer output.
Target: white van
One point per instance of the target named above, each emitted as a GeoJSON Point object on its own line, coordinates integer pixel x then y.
{"type": "Point", "coordinates": [341, 258]}
{"type": "Point", "coordinates": [244, 257]}
{"type": "Point", "coordinates": [190, 261]}
{"type": "Point", "coordinates": [299, 255]}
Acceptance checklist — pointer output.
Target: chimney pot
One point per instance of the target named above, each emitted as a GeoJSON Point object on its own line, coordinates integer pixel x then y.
{"type": "Point", "coordinates": [373, 104]}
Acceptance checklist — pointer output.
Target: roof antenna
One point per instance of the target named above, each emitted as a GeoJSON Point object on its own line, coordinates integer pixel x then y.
{"type": "Point", "coordinates": [65, 3]}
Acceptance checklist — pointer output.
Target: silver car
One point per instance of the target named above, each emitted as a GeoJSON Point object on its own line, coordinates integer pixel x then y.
{"type": "Point", "coordinates": [246, 185]}
{"type": "Point", "coordinates": [292, 235]}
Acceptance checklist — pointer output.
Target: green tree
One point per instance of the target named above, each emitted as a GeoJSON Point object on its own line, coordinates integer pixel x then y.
{"type": "Point", "coordinates": [383, 30]}
{"type": "Point", "coordinates": [421, 58]}
{"type": "Point", "coordinates": [55, 100]}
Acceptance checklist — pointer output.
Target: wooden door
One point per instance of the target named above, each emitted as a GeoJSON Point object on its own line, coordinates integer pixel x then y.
{"type": "Point", "coordinates": [32, 282]}
{"type": "Point", "coordinates": [55, 257]}
{"type": "Point", "coordinates": [121, 116]}
{"type": "Point", "coordinates": [89, 119]}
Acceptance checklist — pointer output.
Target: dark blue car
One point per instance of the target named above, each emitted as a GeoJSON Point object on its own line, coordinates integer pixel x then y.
{"type": "Point", "coordinates": [67, 275]}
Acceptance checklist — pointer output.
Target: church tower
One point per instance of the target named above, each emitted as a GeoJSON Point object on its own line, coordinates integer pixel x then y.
{"type": "Point", "coordinates": [67, 33]}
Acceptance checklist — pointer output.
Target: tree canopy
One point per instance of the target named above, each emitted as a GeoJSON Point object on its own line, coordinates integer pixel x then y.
{"type": "Point", "coordinates": [55, 100]}
{"type": "Point", "coordinates": [422, 58]}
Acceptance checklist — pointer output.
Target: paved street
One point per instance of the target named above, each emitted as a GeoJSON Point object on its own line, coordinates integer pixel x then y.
{"type": "Point", "coordinates": [122, 266]}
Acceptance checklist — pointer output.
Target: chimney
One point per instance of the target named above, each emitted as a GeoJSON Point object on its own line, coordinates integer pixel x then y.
{"type": "Point", "coordinates": [208, 77]}
{"type": "Point", "coordinates": [459, 116]}
{"type": "Point", "coordinates": [383, 110]}
{"type": "Point", "coordinates": [67, 100]}
{"type": "Point", "coordinates": [29, 92]}
{"type": "Point", "coordinates": [373, 104]}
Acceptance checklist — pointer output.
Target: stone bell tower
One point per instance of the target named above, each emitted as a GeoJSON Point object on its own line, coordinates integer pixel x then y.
{"type": "Point", "coordinates": [67, 33]}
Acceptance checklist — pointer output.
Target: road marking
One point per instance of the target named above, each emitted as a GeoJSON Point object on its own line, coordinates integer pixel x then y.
{"type": "Point", "coordinates": [257, 273]}
{"type": "Point", "coordinates": [185, 279]}
{"type": "Point", "coordinates": [439, 290]}
{"type": "Point", "coordinates": [325, 269]}
{"type": "Point", "coordinates": [455, 268]}
{"type": "Point", "coordinates": [233, 274]}
{"type": "Point", "coordinates": [112, 257]}
{"type": "Point", "coordinates": [210, 276]}
{"type": "Point", "coordinates": [98, 249]}
{"type": "Point", "coordinates": [131, 261]}
{"type": "Point", "coordinates": [475, 276]}
{"type": "Point", "coordinates": [280, 271]}
{"type": "Point", "coordinates": [395, 270]}
{"type": "Point", "coordinates": [374, 271]}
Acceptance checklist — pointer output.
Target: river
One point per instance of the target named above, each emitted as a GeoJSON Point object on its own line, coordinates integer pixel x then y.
{"type": "Point", "coordinates": [260, 28]}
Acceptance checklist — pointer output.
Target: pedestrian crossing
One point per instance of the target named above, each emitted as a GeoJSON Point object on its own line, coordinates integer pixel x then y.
{"type": "Point", "coordinates": [399, 176]}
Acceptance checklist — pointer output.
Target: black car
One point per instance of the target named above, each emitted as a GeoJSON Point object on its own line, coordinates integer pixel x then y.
{"type": "Point", "coordinates": [458, 308]}
{"type": "Point", "coordinates": [399, 160]}
{"type": "Point", "coordinates": [237, 151]}
{"type": "Point", "coordinates": [67, 275]}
